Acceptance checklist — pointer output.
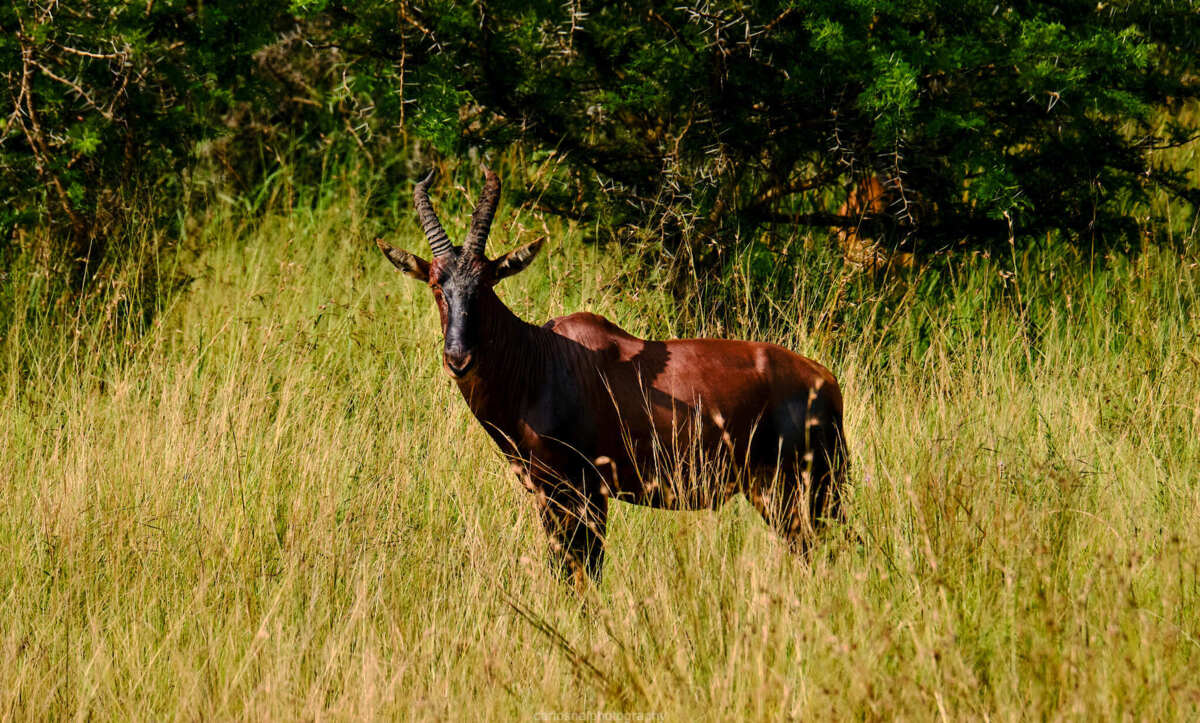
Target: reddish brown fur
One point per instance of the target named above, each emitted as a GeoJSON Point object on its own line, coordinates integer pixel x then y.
{"type": "Point", "coordinates": [586, 412]}
{"type": "Point", "coordinates": [871, 206]}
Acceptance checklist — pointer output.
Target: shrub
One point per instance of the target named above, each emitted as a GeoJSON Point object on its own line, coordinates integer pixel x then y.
{"type": "Point", "coordinates": [700, 125]}
{"type": "Point", "coordinates": [708, 122]}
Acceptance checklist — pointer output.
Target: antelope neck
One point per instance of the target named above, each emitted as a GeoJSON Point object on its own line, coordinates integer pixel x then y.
{"type": "Point", "coordinates": [511, 357]}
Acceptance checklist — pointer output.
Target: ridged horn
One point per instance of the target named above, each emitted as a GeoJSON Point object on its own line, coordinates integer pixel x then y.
{"type": "Point", "coordinates": [438, 240]}
{"type": "Point", "coordinates": [485, 210]}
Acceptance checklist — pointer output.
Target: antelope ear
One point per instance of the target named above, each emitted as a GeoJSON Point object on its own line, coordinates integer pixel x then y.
{"type": "Point", "coordinates": [515, 260]}
{"type": "Point", "coordinates": [413, 265]}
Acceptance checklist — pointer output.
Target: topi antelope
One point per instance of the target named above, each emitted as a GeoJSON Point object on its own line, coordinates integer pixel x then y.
{"type": "Point", "coordinates": [586, 412]}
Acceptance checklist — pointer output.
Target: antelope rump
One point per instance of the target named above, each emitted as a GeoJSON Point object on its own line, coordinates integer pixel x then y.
{"type": "Point", "coordinates": [586, 412]}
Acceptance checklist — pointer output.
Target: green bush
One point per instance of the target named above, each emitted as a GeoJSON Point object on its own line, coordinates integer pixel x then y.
{"type": "Point", "coordinates": [104, 102]}
{"type": "Point", "coordinates": [711, 121]}
{"type": "Point", "coordinates": [696, 125]}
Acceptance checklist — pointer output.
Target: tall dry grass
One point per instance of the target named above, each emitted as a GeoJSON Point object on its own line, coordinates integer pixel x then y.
{"type": "Point", "coordinates": [272, 504]}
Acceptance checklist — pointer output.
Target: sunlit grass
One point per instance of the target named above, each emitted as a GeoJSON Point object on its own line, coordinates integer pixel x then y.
{"type": "Point", "coordinates": [274, 504]}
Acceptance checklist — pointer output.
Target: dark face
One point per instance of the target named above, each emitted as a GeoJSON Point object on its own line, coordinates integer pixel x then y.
{"type": "Point", "coordinates": [456, 284]}
{"type": "Point", "coordinates": [460, 276]}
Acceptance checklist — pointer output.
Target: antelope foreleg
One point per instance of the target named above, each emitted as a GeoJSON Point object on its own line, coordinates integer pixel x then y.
{"type": "Point", "coordinates": [575, 522]}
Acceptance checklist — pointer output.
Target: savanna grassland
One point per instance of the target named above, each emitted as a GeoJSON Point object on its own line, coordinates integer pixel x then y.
{"type": "Point", "coordinates": [271, 503]}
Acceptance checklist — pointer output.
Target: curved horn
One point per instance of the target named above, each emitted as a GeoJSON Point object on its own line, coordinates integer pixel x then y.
{"type": "Point", "coordinates": [485, 210]}
{"type": "Point", "coordinates": [438, 240]}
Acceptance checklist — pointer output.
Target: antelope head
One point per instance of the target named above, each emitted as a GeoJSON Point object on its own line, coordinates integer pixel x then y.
{"type": "Point", "coordinates": [459, 276]}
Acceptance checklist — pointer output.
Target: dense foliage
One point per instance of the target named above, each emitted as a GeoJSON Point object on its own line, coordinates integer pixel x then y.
{"type": "Point", "coordinates": [106, 100]}
{"type": "Point", "coordinates": [712, 119]}
{"type": "Point", "coordinates": [692, 123]}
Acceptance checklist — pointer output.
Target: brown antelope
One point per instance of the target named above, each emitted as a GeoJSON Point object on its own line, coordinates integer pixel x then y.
{"type": "Point", "coordinates": [586, 412]}
{"type": "Point", "coordinates": [878, 212]}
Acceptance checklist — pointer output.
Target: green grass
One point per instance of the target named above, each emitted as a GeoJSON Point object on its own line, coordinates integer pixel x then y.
{"type": "Point", "coordinates": [272, 504]}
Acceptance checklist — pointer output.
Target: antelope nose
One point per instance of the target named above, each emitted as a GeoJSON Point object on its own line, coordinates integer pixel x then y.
{"type": "Point", "coordinates": [458, 364]}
